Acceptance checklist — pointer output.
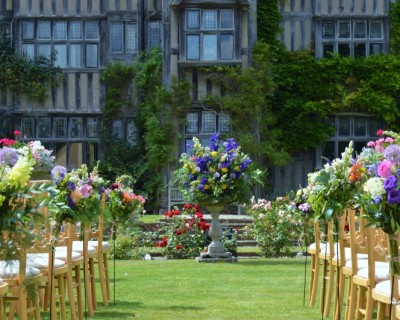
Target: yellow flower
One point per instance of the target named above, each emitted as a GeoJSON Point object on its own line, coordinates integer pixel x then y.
{"type": "Point", "coordinates": [214, 153]}
{"type": "Point", "coordinates": [21, 172]}
{"type": "Point", "coordinates": [224, 170]}
{"type": "Point", "coordinates": [206, 187]}
{"type": "Point", "coordinates": [237, 168]}
{"type": "Point", "coordinates": [224, 186]}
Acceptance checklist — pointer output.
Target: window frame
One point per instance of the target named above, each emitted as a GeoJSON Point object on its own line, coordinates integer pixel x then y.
{"type": "Point", "coordinates": [198, 131]}
{"type": "Point", "coordinates": [371, 126]}
{"type": "Point", "coordinates": [356, 44]}
{"type": "Point", "coordinates": [210, 37]}
{"type": "Point", "coordinates": [123, 37]}
{"type": "Point", "coordinates": [64, 36]}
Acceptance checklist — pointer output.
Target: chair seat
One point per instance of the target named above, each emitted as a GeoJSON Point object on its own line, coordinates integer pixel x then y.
{"type": "Point", "coordinates": [363, 263]}
{"type": "Point", "coordinates": [61, 253]}
{"type": "Point", "coordinates": [381, 273]}
{"type": "Point", "coordinates": [347, 253]}
{"type": "Point", "coordinates": [104, 244]}
{"type": "Point", "coordinates": [385, 287]}
{"type": "Point", "coordinates": [77, 246]}
{"type": "Point", "coordinates": [41, 261]}
{"type": "Point", "coordinates": [10, 269]}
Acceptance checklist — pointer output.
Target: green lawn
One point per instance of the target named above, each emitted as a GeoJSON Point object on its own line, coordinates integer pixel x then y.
{"type": "Point", "coordinates": [252, 289]}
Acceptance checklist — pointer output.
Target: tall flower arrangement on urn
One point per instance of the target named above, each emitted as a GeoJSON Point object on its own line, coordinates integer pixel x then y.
{"type": "Point", "coordinates": [215, 176]}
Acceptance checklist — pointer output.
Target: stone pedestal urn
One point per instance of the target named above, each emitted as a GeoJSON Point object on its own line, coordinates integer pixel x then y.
{"type": "Point", "coordinates": [215, 251]}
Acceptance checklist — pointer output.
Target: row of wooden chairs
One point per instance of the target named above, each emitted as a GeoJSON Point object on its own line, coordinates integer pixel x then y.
{"type": "Point", "coordinates": [348, 252]}
{"type": "Point", "coordinates": [58, 271]}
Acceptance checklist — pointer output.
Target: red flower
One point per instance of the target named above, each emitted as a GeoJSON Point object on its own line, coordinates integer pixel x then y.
{"type": "Point", "coordinates": [7, 142]}
{"type": "Point", "coordinates": [197, 207]}
{"type": "Point", "coordinates": [178, 232]}
{"type": "Point", "coordinates": [379, 132]}
{"type": "Point", "coordinates": [178, 247]}
{"type": "Point", "coordinates": [204, 226]}
{"type": "Point", "coordinates": [17, 132]}
{"type": "Point", "coordinates": [187, 206]}
{"type": "Point", "coordinates": [162, 243]}
{"type": "Point", "coordinates": [199, 215]}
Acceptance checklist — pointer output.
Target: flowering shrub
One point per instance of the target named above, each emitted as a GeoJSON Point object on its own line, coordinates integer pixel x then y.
{"type": "Point", "coordinates": [77, 195]}
{"type": "Point", "coordinates": [218, 172]}
{"type": "Point", "coordinates": [274, 226]}
{"type": "Point", "coordinates": [184, 234]}
{"type": "Point", "coordinates": [122, 202]}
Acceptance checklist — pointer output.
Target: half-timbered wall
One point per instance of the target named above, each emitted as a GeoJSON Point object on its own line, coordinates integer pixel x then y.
{"type": "Point", "coordinates": [304, 24]}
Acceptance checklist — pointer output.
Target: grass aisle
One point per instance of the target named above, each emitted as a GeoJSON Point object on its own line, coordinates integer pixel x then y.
{"type": "Point", "coordinates": [184, 289]}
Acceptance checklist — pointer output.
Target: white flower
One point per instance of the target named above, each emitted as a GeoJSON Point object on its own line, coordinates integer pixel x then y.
{"type": "Point", "coordinates": [374, 186]}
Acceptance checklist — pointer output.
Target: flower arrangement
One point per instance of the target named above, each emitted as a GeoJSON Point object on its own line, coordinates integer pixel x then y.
{"type": "Point", "coordinates": [76, 195]}
{"type": "Point", "coordinates": [15, 211]}
{"type": "Point", "coordinates": [332, 189]}
{"type": "Point", "coordinates": [380, 193]}
{"type": "Point", "coordinates": [184, 235]}
{"type": "Point", "coordinates": [218, 173]}
{"type": "Point", "coordinates": [43, 157]}
{"type": "Point", "coordinates": [121, 200]}
{"type": "Point", "coordinates": [379, 196]}
{"type": "Point", "coordinates": [274, 226]}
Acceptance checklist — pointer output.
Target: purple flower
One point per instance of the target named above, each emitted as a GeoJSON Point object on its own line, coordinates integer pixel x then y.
{"type": "Point", "coordinates": [58, 172]}
{"type": "Point", "coordinates": [71, 204]}
{"type": "Point", "coordinates": [390, 183]}
{"type": "Point", "coordinates": [214, 142]}
{"type": "Point", "coordinates": [71, 186]}
{"type": "Point", "coordinates": [377, 199]}
{"type": "Point", "coordinates": [202, 164]}
{"type": "Point", "coordinates": [245, 164]}
{"type": "Point", "coordinates": [85, 190]}
{"type": "Point", "coordinates": [393, 197]}
{"type": "Point", "coordinates": [304, 207]}
{"type": "Point", "coordinates": [230, 144]}
{"type": "Point", "coordinates": [392, 153]}
{"type": "Point", "coordinates": [8, 156]}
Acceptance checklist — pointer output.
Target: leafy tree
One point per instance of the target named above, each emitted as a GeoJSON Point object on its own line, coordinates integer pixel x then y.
{"type": "Point", "coordinates": [157, 125]}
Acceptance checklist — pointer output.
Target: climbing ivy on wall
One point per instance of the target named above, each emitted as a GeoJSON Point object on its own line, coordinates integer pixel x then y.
{"type": "Point", "coordinates": [158, 115]}
{"type": "Point", "coordinates": [22, 75]}
{"type": "Point", "coordinates": [395, 27]}
{"type": "Point", "coordinates": [268, 21]}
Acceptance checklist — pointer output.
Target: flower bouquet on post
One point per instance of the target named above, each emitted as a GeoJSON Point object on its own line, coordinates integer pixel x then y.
{"type": "Point", "coordinates": [379, 197]}
{"type": "Point", "coordinates": [16, 212]}
{"type": "Point", "coordinates": [76, 195]}
{"type": "Point", "coordinates": [44, 160]}
{"type": "Point", "coordinates": [122, 202]}
{"type": "Point", "coordinates": [215, 176]}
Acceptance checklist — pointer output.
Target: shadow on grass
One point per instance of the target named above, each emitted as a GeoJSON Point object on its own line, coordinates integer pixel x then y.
{"type": "Point", "coordinates": [273, 261]}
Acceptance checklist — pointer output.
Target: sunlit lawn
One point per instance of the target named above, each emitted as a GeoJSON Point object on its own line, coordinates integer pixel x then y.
{"type": "Point", "coordinates": [251, 289]}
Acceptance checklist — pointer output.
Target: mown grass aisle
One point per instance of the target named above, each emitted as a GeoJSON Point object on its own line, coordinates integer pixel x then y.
{"type": "Point", "coordinates": [184, 289]}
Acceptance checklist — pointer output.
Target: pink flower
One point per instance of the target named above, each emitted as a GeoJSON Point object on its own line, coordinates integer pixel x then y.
{"type": "Point", "coordinates": [17, 132]}
{"type": "Point", "coordinates": [385, 169]}
{"type": "Point", "coordinates": [389, 140]}
{"type": "Point", "coordinates": [371, 144]}
{"type": "Point", "coordinates": [379, 132]}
